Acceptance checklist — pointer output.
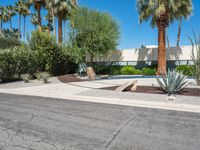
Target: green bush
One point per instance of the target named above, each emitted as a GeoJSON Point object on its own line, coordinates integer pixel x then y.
{"type": "Point", "coordinates": [187, 70]}
{"type": "Point", "coordinates": [130, 70]}
{"type": "Point", "coordinates": [8, 42]}
{"type": "Point", "coordinates": [14, 62]}
{"type": "Point", "coordinates": [50, 57]}
{"type": "Point", "coordinates": [41, 55]}
{"type": "Point", "coordinates": [148, 71]}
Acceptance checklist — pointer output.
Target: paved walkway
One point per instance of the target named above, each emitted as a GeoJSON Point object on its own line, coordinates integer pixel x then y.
{"type": "Point", "coordinates": [88, 91]}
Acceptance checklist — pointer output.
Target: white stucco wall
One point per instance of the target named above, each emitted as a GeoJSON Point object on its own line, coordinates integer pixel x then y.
{"type": "Point", "coordinates": [174, 53]}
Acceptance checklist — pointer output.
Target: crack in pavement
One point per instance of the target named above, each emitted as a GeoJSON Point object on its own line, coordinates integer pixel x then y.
{"type": "Point", "coordinates": [118, 131]}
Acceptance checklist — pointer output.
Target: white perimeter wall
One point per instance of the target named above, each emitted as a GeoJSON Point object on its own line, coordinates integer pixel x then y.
{"type": "Point", "coordinates": [174, 53]}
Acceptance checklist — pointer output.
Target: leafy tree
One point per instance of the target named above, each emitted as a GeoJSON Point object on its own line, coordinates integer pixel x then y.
{"type": "Point", "coordinates": [93, 32]}
{"type": "Point", "coordinates": [162, 13]}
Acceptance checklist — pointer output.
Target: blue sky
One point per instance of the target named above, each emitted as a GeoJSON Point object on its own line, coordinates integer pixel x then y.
{"type": "Point", "coordinates": [132, 33]}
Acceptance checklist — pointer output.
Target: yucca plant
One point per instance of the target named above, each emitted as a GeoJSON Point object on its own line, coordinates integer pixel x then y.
{"type": "Point", "coordinates": [172, 82]}
{"type": "Point", "coordinates": [26, 77]}
{"type": "Point", "coordinates": [37, 75]}
{"type": "Point", "coordinates": [44, 76]}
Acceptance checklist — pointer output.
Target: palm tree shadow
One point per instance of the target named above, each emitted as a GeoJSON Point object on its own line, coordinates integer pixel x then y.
{"type": "Point", "coordinates": [146, 57]}
{"type": "Point", "coordinates": [173, 54]}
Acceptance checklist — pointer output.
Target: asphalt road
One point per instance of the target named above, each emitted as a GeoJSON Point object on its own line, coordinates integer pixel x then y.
{"type": "Point", "coordinates": [35, 123]}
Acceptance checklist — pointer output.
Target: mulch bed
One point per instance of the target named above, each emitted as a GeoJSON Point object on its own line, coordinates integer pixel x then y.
{"type": "Point", "coordinates": [69, 78]}
{"type": "Point", "coordinates": [157, 90]}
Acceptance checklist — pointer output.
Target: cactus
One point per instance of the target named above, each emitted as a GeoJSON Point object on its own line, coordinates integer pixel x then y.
{"type": "Point", "coordinates": [172, 82]}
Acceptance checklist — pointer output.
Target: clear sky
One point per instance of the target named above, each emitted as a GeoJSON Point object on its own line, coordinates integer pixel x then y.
{"type": "Point", "coordinates": [132, 33]}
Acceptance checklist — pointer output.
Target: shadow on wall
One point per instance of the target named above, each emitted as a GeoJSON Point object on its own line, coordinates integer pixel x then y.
{"type": "Point", "coordinates": [173, 54]}
{"type": "Point", "coordinates": [149, 56]}
{"type": "Point", "coordinates": [146, 57]}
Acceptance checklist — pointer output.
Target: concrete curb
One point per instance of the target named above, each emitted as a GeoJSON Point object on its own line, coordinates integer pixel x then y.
{"type": "Point", "coordinates": [126, 102]}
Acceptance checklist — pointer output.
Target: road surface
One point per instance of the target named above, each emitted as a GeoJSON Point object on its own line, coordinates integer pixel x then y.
{"type": "Point", "coordinates": [36, 123]}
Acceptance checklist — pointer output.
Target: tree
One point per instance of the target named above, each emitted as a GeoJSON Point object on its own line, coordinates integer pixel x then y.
{"type": "Point", "coordinates": [49, 18]}
{"type": "Point", "coordinates": [38, 4]}
{"type": "Point", "coordinates": [63, 8]}
{"type": "Point", "coordinates": [19, 8]}
{"type": "Point", "coordinates": [4, 15]}
{"type": "Point", "coordinates": [34, 19]}
{"type": "Point", "coordinates": [162, 13]}
{"type": "Point", "coordinates": [1, 19]}
{"type": "Point", "coordinates": [26, 12]}
{"type": "Point", "coordinates": [179, 33]}
{"type": "Point", "coordinates": [50, 6]}
{"type": "Point", "coordinates": [93, 32]}
{"type": "Point", "coordinates": [11, 13]}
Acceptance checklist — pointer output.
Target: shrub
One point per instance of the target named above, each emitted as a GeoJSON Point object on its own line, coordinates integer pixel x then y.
{"type": "Point", "coordinates": [14, 62]}
{"type": "Point", "coordinates": [185, 69]}
{"type": "Point", "coordinates": [44, 76]}
{"type": "Point", "coordinates": [173, 82]}
{"type": "Point", "coordinates": [148, 71]}
{"type": "Point", "coordinates": [9, 42]}
{"type": "Point", "coordinates": [50, 57]}
{"type": "Point", "coordinates": [26, 77]}
{"type": "Point", "coordinates": [130, 70]}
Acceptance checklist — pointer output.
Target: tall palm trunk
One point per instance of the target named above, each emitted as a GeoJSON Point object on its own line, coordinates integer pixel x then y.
{"type": "Point", "coordinates": [179, 33]}
{"type": "Point", "coordinates": [161, 51]}
{"type": "Point", "coordinates": [65, 30]}
{"type": "Point", "coordinates": [24, 28]}
{"type": "Point", "coordinates": [39, 17]}
{"type": "Point", "coordinates": [60, 28]}
{"type": "Point", "coordinates": [54, 25]}
{"type": "Point", "coordinates": [20, 26]}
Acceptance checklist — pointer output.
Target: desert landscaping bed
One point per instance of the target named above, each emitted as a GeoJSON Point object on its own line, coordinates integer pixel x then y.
{"type": "Point", "coordinates": [157, 90]}
{"type": "Point", "coordinates": [69, 78]}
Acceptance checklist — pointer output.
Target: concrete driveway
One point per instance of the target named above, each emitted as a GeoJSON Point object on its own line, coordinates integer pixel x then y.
{"type": "Point", "coordinates": [36, 123]}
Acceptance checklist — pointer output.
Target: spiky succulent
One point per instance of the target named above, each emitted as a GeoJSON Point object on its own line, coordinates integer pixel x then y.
{"type": "Point", "coordinates": [26, 77]}
{"type": "Point", "coordinates": [172, 82]}
{"type": "Point", "coordinates": [44, 76]}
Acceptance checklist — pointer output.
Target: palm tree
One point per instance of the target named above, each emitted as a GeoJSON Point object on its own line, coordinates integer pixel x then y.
{"type": "Point", "coordinates": [11, 13]}
{"type": "Point", "coordinates": [62, 9]}
{"type": "Point", "coordinates": [26, 12]}
{"type": "Point", "coordinates": [4, 15]}
{"type": "Point", "coordinates": [179, 32]}
{"type": "Point", "coordinates": [1, 19]}
{"type": "Point", "coordinates": [162, 13]}
{"type": "Point", "coordinates": [38, 5]}
{"type": "Point", "coordinates": [34, 19]}
{"type": "Point", "coordinates": [49, 18]}
{"type": "Point", "coordinates": [50, 5]}
{"type": "Point", "coordinates": [19, 8]}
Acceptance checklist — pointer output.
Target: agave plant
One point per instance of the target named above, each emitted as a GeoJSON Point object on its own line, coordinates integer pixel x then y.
{"type": "Point", "coordinates": [172, 82]}
{"type": "Point", "coordinates": [44, 76]}
{"type": "Point", "coordinates": [26, 77]}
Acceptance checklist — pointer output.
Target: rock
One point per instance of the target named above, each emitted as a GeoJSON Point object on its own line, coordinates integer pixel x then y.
{"type": "Point", "coordinates": [90, 73]}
